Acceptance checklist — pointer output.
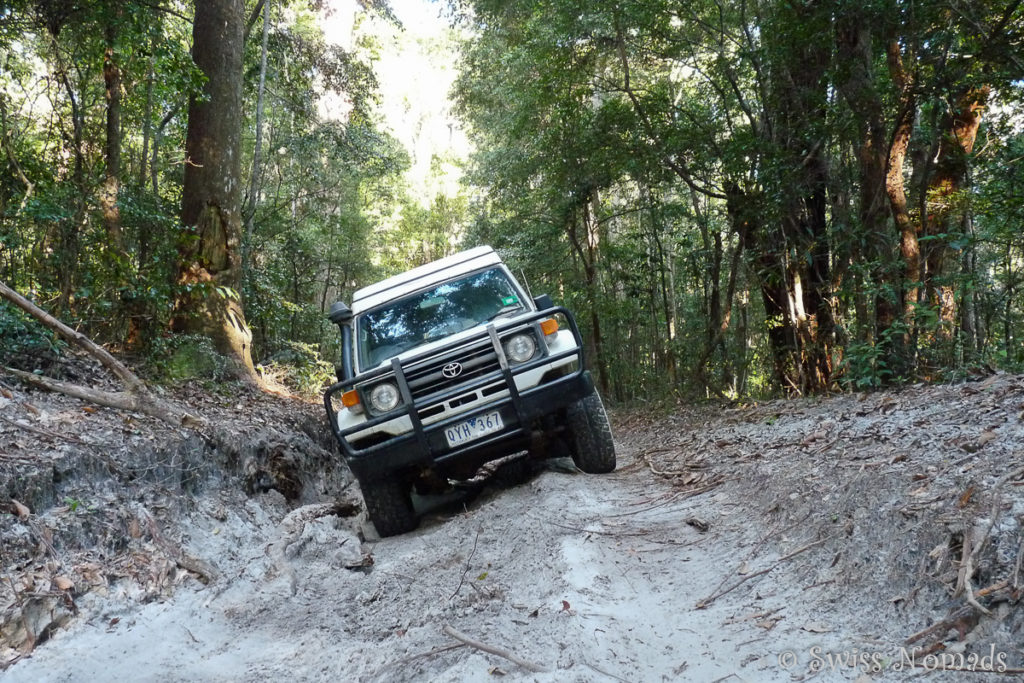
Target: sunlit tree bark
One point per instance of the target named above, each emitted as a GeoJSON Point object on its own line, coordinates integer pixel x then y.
{"type": "Point", "coordinates": [210, 267]}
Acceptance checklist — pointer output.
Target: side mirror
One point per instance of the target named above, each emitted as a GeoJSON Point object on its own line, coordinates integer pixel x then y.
{"type": "Point", "coordinates": [543, 302]}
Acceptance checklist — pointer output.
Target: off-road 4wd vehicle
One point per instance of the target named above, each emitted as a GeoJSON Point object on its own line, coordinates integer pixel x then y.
{"type": "Point", "coordinates": [449, 366]}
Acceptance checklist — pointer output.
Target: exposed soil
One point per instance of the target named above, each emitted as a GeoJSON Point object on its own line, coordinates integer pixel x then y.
{"type": "Point", "coordinates": [790, 540]}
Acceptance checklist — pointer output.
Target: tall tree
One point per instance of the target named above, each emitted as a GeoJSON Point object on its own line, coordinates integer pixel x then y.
{"type": "Point", "coordinates": [112, 85]}
{"type": "Point", "coordinates": [210, 268]}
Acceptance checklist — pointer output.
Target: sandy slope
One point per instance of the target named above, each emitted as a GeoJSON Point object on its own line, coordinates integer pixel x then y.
{"type": "Point", "coordinates": [628, 591]}
{"type": "Point", "coordinates": [592, 578]}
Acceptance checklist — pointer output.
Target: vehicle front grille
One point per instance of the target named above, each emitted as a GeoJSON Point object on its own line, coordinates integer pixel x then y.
{"type": "Point", "coordinates": [426, 377]}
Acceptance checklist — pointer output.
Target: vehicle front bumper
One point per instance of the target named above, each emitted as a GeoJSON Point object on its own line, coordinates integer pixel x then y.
{"type": "Point", "coordinates": [425, 445]}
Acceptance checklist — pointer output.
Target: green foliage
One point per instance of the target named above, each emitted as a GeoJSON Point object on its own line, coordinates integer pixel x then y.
{"type": "Point", "coordinates": [300, 368]}
{"type": "Point", "coordinates": [22, 340]}
{"type": "Point", "coordinates": [684, 176]}
{"type": "Point", "coordinates": [865, 366]}
{"type": "Point", "coordinates": [323, 186]}
{"type": "Point", "coordinates": [626, 153]}
{"type": "Point", "coordinates": [325, 182]}
{"type": "Point", "coordinates": [187, 357]}
{"type": "Point", "coordinates": [76, 505]}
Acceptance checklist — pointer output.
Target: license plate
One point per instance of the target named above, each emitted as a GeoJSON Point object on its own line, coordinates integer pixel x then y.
{"type": "Point", "coordinates": [473, 428]}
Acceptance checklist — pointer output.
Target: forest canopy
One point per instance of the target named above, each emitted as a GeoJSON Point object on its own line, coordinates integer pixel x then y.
{"type": "Point", "coordinates": [736, 198]}
{"type": "Point", "coordinates": [759, 196]}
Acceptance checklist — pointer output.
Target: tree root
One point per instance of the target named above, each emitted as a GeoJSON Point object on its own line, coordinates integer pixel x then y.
{"type": "Point", "coordinates": [290, 530]}
{"type": "Point", "coordinates": [206, 572]}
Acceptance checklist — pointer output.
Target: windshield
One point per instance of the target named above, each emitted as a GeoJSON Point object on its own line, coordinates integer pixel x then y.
{"type": "Point", "coordinates": [446, 309]}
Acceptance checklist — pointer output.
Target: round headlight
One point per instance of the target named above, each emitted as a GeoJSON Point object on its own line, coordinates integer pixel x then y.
{"type": "Point", "coordinates": [520, 348]}
{"type": "Point", "coordinates": [384, 397]}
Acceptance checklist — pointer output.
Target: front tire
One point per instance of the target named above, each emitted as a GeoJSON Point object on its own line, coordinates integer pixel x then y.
{"type": "Point", "coordinates": [513, 472]}
{"type": "Point", "coordinates": [389, 507]}
{"type": "Point", "coordinates": [590, 435]}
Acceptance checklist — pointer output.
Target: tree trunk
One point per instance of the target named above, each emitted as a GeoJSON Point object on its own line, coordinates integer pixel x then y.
{"type": "Point", "coordinates": [665, 267]}
{"type": "Point", "coordinates": [147, 112]}
{"type": "Point", "coordinates": [210, 259]}
{"type": "Point", "coordinates": [136, 395]}
{"type": "Point", "coordinates": [795, 256]}
{"type": "Point", "coordinates": [68, 229]}
{"type": "Point", "coordinates": [857, 85]}
{"type": "Point", "coordinates": [764, 258]}
{"type": "Point", "coordinates": [249, 212]}
{"type": "Point", "coordinates": [959, 131]}
{"type": "Point", "coordinates": [910, 249]}
{"type": "Point", "coordinates": [587, 254]}
{"type": "Point", "coordinates": [112, 180]}
{"type": "Point", "coordinates": [154, 168]}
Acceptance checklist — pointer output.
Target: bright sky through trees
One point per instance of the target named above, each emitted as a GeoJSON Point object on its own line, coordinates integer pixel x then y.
{"type": "Point", "coordinates": [415, 67]}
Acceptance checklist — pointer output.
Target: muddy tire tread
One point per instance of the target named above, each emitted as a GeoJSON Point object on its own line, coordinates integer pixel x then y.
{"type": "Point", "coordinates": [389, 507]}
{"type": "Point", "coordinates": [590, 435]}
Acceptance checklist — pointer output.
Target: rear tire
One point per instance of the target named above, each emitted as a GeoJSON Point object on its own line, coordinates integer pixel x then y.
{"type": "Point", "coordinates": [389, 507]}
{"type": "Point", "coordinates": [590, 435]}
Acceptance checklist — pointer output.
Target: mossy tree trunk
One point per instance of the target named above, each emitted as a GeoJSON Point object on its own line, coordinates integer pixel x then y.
{"type": "Point", "coordinates": [210, 266]}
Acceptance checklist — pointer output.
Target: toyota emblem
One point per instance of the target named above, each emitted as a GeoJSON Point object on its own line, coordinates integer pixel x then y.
{"type": "Point", "coordinates": [452, 370]}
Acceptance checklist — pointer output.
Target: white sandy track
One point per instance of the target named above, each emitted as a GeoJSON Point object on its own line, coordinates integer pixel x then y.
{"type": "Point", "coordinates": [594, 578]}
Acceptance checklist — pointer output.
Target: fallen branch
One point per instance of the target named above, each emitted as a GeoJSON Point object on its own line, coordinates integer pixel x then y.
{"type": "Point", "coordinates": [135, 401]}
{"type": "Point", "coordinates": [642, 532]}
{"type": "Point", "coordinates": [484, 647]}
{"type": "Point", "coordinates": [994, 514]}
{"type": "Point", "coordinates": [290, 530]}
{"type": "Point", "coordinates": [960, 616]}
{"type": "Point", "coordinates": [997, 586]}
{"type": "Point", "coordinates": [708, 600]}
{"type": "Point", "coordinates": [137, 397]}
{"type": "Point", "coordinates": [972, 546]}
{"type": "Point", "coordinates": [943, 625]}
{"type": "Point", "coordinates": [678, 496]}
{"type": "Point", "coordinates": [1016, 568]}
{"type": "Point", "coordinates": [424, 655]}
{"type": "Point", "coordinates": [19, 458]}
{"type": "Point", "coordinates": [758, 545]}
{"type": "Point", "coordinates": [605, 673]}
{"type": "Point", "coordinates": [664, 473]}
{"type": "Point", "coordinates": [130, 380]}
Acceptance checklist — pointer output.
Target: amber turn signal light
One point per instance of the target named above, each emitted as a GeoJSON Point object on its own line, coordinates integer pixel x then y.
{"type": "Point", "coordinates": [549, 326]}
{"type": "Point", "coordinates": [350, 399]}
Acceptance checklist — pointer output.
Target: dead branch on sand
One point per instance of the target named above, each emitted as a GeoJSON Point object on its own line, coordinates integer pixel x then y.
{"type": "Point", "coordinates": [291, 529]}
{"type": "Point", "coordinates": [960, 619]}
{"type": "Point", "coordinates": [206, 572]}
{"type": "Point", "coordinates": [719, 593]}
{"type": "Point", "coordinates": [384, 674]}
{"type": "Point", "coordinates": [46, 432]}
{"type": "Point", "coordinates": [967, 616]}
{"type": "Point", "coordinates": [484, 647]}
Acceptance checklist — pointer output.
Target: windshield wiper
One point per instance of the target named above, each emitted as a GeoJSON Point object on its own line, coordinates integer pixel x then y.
{"type": "Point", "coordinates": [506, 309]}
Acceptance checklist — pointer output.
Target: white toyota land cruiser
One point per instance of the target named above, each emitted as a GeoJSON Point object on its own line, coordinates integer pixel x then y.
{"type": "Point", "coordinates": [449, 366]}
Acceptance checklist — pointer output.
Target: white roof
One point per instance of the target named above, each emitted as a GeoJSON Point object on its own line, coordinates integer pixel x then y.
{"type": "Point", "coordinates": [423, 276]}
